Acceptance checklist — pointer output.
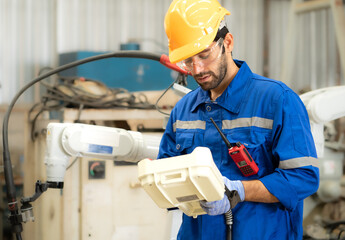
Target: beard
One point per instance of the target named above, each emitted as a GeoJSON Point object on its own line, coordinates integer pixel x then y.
{"type": "Point", "coordinates": [215, 79]}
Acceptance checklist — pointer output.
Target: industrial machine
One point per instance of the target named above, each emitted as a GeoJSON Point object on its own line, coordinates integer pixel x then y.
{"type": "Point", "coordinates": [323, 214]}
{"type": "Point", "coordinates": [23, 213]}
{"type": "Point", "coordinates": [65, 140]}
{"type": "Point", "coordinates": [323, 106]}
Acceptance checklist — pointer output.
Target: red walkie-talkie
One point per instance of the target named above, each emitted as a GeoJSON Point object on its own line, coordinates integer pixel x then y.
{"type": "Point", "coordinates": [240, 155]}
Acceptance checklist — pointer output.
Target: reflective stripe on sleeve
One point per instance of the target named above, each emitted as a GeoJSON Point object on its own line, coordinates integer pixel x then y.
{"type": "Point", "coordinates": [189, 125]}
{"type": "Point", "coordinates": [248, 122]}
{"type": "Point", "coordinates": [298, 162]}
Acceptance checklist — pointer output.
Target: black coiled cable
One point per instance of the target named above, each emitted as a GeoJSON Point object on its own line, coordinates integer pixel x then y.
{"type": "Point", "coordinates": [229, 221]}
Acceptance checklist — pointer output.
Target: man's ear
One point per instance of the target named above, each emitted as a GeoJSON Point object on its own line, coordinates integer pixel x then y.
{"type": "Point", "coordinates": [229, 42]}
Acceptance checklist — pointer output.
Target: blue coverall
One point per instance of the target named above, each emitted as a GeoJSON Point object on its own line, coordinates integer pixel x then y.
{"type": "Point", "coordinates": [271, 121]}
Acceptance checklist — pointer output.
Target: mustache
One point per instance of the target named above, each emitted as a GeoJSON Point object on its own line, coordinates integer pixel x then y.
{"type": "Point", "coordinates": [202, 74]}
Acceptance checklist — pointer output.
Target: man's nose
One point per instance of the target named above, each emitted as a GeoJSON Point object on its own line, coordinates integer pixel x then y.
{"type": "Point", "coordinates": [197, 67]}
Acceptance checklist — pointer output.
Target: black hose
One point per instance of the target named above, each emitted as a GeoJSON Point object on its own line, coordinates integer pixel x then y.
{"type": "Point", "coordinates": [9, 181]}
{"type": "Point", "coordinates": [229, 222]}
{"type": "Point", "coordinates": [19, 236]}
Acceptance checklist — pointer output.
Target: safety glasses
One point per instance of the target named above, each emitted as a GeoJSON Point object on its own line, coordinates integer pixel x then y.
{"type": "Point", "coordinates": [203, 58]}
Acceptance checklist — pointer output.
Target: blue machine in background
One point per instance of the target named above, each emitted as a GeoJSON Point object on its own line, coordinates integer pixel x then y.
{"type": "Point", "coordinates": [129, 73]}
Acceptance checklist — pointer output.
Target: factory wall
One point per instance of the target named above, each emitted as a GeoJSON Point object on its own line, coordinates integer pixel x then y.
{"type": "Point", "coordinates": [27, 43]}
{"type": "Point", "coordinates": [34, 32]}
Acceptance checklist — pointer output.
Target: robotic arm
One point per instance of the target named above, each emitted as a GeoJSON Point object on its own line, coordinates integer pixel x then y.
{"type": "Point", "coordinates": [65, 140]}
{"type": "Point", "coordinates": [323, 106]}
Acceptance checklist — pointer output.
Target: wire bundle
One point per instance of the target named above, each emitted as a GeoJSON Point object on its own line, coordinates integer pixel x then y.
{"type": "Point", "coordinates": [81, 93]}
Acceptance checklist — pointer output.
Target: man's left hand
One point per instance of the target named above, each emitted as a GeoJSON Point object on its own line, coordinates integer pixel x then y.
{"type": "Point", "coordinates": [223, 205]}
{"type": "Point", "coordinates": [216, 207]}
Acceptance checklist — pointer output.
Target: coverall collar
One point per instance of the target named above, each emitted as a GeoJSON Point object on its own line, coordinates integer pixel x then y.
{"type": "Point", "coordinates": [233, 96]}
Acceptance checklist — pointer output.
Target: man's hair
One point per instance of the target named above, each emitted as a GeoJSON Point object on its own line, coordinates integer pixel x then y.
{"type": "Point", "coordinates": [221, 34]}
{"type": "Point", "coordinates": [222, 31]}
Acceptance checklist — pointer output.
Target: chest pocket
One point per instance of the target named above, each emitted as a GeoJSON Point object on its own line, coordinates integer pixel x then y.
{"type": "Point", "coordinates": [184, 142]}
{"type": "Point", "coordinates": [257, 144]}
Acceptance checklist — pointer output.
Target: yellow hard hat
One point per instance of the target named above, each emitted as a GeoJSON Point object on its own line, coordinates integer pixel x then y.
{"type": "Point", "coordinates": [191, 26]}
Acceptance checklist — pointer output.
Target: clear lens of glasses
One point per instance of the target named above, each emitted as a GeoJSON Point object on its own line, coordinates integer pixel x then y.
{"type": "Point", "coordinates": [204, 58]}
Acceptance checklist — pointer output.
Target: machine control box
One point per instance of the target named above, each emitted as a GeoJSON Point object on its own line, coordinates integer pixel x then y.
{"type": "Point", "coordinates": [182, 181]}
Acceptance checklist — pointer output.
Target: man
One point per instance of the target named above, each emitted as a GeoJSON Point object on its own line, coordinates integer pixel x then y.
{"type": "Point", "coordinates": [264, 115]}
